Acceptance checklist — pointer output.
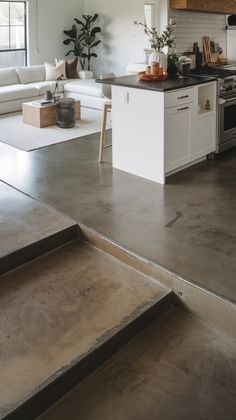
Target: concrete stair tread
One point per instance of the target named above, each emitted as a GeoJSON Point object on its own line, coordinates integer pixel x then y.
{"type": "Point", "coordinates": [176, 369]}
{"type": "Point", "coordinates": [28, 228]}
{"type": "Point", "coordinates": [58, 309]}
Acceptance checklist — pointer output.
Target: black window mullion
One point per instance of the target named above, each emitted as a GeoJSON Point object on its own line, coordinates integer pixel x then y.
{"type": "Point", "coordinates": [9, 30]}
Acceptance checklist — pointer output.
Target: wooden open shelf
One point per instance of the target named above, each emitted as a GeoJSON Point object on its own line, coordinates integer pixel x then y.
{"type": "Point", "coordinates": [214, 6]}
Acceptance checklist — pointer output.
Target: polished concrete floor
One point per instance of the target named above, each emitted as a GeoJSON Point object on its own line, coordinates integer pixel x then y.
{"type": "Point", "coordinates": [187, 226]}
{"type": "Point", "coordinates": [177, 369]}
{"type": "Point", "coordinates": [60, 307]}
{"type": "Point", "coordinates": [24, 221]}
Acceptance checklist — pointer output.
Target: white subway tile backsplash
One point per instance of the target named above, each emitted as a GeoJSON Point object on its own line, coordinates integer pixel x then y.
{"type": "Point", "coordinates": [192, 26]}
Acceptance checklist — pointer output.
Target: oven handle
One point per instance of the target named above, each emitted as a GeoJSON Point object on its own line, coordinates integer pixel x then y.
{"type": "Point", "coordinates": [225, 101]}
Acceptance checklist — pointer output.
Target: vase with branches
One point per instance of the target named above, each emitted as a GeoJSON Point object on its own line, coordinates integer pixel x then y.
{"type": "Point", "coordinates": [83, 35]}
{"type": "Point", "coordinates": [159, 41]}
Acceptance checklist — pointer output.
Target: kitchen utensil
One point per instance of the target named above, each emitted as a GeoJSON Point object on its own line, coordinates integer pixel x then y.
{"type": "Point", "coordinates": [216, 47]}
{"type": "Point", "coordinates": [207, 49]}
{"type": "Point", "coordinates": [195, 47]}
{"type": "Point", "coordinates": [199, 60]}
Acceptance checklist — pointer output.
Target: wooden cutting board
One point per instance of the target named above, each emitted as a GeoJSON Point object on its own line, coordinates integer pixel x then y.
{"type": "Point", "coordinates": [207, 49]}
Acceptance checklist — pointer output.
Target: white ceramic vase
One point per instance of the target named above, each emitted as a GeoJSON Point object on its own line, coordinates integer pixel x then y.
{"type": "Point", "coordinates": [159, 57]}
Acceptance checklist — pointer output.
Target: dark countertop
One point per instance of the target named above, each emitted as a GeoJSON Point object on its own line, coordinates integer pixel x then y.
{"type": "Point", "coordinates": [167, 85]}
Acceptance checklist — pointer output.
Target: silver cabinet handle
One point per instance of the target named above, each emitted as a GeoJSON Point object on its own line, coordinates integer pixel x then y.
{"type": "Point", "coordinates": [183, 97]}
{"type": "Point", "coordinates": [183, 109]}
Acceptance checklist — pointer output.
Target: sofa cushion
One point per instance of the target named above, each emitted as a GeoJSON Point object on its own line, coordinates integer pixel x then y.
{"type": "Point", "coordinates": [31, 74]}
{"type": "Point", "coordinates": [8, 77]}
{"type": "Point", "coordinates": [53, 71]}
{"type": "Point", "coordinates": [86, 87]}
{"type": "Point", "coordinates": [48, 85]}
{"type": "Point", "coordinates": [62, 84]}
{"type": "Point", "coordinates": [13, 92]}
{"type": "Point", "coordinates": [71, 68]}
{"type": "Point", "coordinates": [42, 87]}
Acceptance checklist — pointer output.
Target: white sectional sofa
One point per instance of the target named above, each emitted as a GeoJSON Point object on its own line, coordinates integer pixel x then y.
{"type": "Point", "coordinates": [24, 84]}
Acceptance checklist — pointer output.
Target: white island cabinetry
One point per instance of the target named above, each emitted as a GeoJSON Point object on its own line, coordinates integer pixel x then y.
{"type": "Point", "coordinates": [190, 129]}
{"type": "Point", "coordinates": [158, 133]}
{"type": "Point", "coordinates": [179, 130]}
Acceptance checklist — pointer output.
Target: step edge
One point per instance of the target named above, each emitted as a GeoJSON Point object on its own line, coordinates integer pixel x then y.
{"type": "Point", "coordinates": [144, 275]}
{"type": "Point", "coordinates": [210, 308]}
{"type": "Point", "coordinates": [46, 395]}
{"type": "Point", "coordinates": [38, 248]}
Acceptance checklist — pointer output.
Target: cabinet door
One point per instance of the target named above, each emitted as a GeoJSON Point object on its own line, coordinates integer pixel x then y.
{"type": "Point", "coordinates": [179, 134]}
{"type": "Point", "coordinates": [205, 139]}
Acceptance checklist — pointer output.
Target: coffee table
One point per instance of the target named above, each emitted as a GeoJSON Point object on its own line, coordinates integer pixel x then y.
{"type": "Point", "coordinates": [45, 115]}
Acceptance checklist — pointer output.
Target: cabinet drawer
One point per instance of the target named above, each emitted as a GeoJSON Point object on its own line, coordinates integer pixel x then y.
{"type": "Point", "coordinates": [179, 97]}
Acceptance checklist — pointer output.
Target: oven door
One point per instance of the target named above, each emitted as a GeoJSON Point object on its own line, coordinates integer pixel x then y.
{"type": "Point", "coordinates": [227, 116]}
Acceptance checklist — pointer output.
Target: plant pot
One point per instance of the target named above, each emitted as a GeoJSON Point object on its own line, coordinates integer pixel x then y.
{"type": "Point", "coordinates": [184, 68]}
{"type": "Point", "coordinates": [172, 70]}
{"type": "Point", "coordinates": [85, 74]}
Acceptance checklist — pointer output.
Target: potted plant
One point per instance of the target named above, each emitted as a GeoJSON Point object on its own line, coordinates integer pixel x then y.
{"type": "Point", "coordinates": [184, 64]}
{"type": "Point", "coordinates": [172, 68]}
{"type": "Point", "coordinates": [84, 38]}
{"type": "Point", "coordinates": [159, 41]}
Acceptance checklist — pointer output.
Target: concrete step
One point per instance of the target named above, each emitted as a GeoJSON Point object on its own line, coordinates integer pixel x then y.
{"type": "Point", "coordinates": [176, 369]}
{"type": "Point", "coordinates": [61, 316]}
{"type": "Point", "coordinates": [29, 229]}
{"type": "Point", "coordinates": [208, 307]}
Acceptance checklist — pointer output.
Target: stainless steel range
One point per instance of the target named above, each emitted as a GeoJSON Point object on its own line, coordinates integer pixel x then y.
{"type": "Point", "coordinates": [227, 113]}
{"type": "Point", "coordinates": [227, 105]}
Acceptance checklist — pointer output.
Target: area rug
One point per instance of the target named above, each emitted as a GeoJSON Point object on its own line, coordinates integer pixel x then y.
{"type": "Point", "coordinates": [25, 137]}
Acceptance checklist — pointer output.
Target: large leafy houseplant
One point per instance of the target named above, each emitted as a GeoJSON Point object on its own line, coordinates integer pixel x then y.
{"type": "Point", "coordinates": [84, 37]}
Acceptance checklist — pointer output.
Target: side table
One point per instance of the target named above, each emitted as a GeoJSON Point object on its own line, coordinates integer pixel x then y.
{"type": "Point", "coordinates": [45, 115]}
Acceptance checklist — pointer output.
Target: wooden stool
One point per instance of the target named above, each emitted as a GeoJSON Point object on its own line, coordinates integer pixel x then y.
{"type": "Point", "coordinates": [106, 109]}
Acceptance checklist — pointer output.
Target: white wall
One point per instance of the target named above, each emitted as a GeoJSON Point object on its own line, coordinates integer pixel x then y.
{"type": "Point", "coordinates": [45, 35]}
{"type": "Point", "coordinates": [192, 26]}
{"type": "Point", "coordinates": [123, 42]}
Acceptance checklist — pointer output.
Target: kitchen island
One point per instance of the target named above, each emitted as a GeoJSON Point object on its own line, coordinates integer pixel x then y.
{"type": "Point", "coordinates": [160, 128]}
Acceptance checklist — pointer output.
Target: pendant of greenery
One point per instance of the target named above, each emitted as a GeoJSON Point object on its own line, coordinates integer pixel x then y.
{"type": "Point", "coordinates": [84, 37]}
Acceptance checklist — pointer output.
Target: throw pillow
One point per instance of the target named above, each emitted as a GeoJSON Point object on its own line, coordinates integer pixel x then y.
{"type": "Point", "coordinates": [71, 68]}
{"type": "Point", "coordinates": [53, 71]}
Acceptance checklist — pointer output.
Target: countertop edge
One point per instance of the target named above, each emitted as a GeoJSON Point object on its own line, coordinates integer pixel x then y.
{"type": "Point", "coordinates": [137, 84]}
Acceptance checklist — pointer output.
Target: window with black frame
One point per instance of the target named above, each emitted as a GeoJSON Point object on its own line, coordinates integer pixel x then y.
{"type": "Point", "coordinates": [13, 48]}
